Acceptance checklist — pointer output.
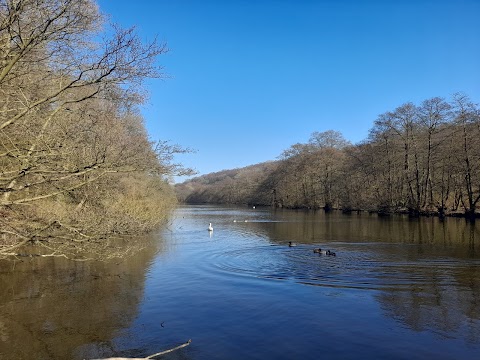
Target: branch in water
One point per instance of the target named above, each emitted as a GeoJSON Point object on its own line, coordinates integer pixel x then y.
{"type": "Point", "coordinates": [153, 355]}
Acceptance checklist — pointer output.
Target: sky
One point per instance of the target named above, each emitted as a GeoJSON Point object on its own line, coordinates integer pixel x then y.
{"type": "Point", "coordinates": [246, 79]}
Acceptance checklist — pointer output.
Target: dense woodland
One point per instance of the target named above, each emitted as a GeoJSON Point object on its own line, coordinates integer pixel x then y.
{"type": "Point", "coordinates": [76, 163]}
{"type": "Point", "coordinates": [419, 158]}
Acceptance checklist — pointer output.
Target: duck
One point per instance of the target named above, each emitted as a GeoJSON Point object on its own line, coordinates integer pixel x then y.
{"type": "Point", "coordinates": [290, 244]}
{"type": "Point", "coordinates": [210, 227]}
{"type": "Point", "coordinates": [324, 252]}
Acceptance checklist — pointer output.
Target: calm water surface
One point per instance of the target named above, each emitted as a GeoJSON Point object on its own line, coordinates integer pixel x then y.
{"type": "Point", "coordinates": [397, 289]}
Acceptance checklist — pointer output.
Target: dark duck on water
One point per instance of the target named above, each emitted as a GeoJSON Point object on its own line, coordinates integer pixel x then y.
{"type": "Point", "coordinates": [324, 252]}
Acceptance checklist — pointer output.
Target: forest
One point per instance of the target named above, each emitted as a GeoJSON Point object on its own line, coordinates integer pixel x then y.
{"type": "Point", "coordinates": [76, 163]}
{"type": "Point", "coordinates": [420, 159]}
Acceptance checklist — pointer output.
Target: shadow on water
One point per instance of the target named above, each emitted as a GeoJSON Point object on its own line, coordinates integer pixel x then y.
{"type": "Point", "coordinates": [53, 308]}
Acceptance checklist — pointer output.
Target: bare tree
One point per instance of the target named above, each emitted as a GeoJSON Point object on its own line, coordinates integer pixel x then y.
{"type": "Point", "coordinates": [70, 131]}
{"type": "Point", "coordinates": [467, 119]}
{"type": "Point", "coordinates": [432, 114]}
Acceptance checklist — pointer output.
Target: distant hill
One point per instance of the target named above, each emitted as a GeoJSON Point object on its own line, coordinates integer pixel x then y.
{"type": "Point", "coordinates": [245, 185]}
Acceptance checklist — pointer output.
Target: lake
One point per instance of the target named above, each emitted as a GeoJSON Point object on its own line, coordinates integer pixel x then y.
{"type": "Point", "coordinates": [398, 288]}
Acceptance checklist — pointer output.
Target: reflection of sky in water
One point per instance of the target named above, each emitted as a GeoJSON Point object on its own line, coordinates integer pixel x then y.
{"type": "Point", "coordinates": [396, 289]}
{"type": "Point", "coordinates": [243, 286]}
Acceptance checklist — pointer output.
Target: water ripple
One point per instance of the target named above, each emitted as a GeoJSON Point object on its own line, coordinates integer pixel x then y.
{"type": "Point", "coordinates": [351, 268]}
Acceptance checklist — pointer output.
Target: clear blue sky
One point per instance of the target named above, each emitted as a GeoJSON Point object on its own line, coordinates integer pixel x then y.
{"type": "Point", "coordinates": [249, 78]}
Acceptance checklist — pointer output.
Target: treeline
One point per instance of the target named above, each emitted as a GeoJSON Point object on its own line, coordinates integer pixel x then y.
{"type": "Point", "coordinates": [76, 163]}
{"type": "Point", "coordinates": [419, 158]}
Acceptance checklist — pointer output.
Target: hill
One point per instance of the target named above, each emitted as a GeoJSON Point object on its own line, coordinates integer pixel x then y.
{"type": "Point", "coordinates": [245, 185]}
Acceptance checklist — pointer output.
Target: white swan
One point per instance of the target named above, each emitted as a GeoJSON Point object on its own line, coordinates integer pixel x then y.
{"type": "Point", "coordinates": [210, 227]}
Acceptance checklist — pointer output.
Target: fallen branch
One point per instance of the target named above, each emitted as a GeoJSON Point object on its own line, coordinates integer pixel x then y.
{"type": "Point", "coordinates": [153, 355]}
{"type": "Point", "coordinates": [170, 350]}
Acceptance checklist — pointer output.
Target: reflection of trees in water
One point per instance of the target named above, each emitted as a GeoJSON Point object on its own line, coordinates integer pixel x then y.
{"type": "Point", "coordinates": [447, 309]}
{"type": "Point", "coordinates": [438, 279]}
{"type": "Point", "coordinates": [51, 306]}
{"type": "Point", "coordinates": [447, 301]}
{"type": "Point", "coordinates": [317, 226]}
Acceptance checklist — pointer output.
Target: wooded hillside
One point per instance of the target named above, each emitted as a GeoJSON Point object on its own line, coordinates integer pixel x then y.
{"type": "Point", "coordinates": [237, 186]}
{"type": "Point", "coordinates": [418, 158]}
